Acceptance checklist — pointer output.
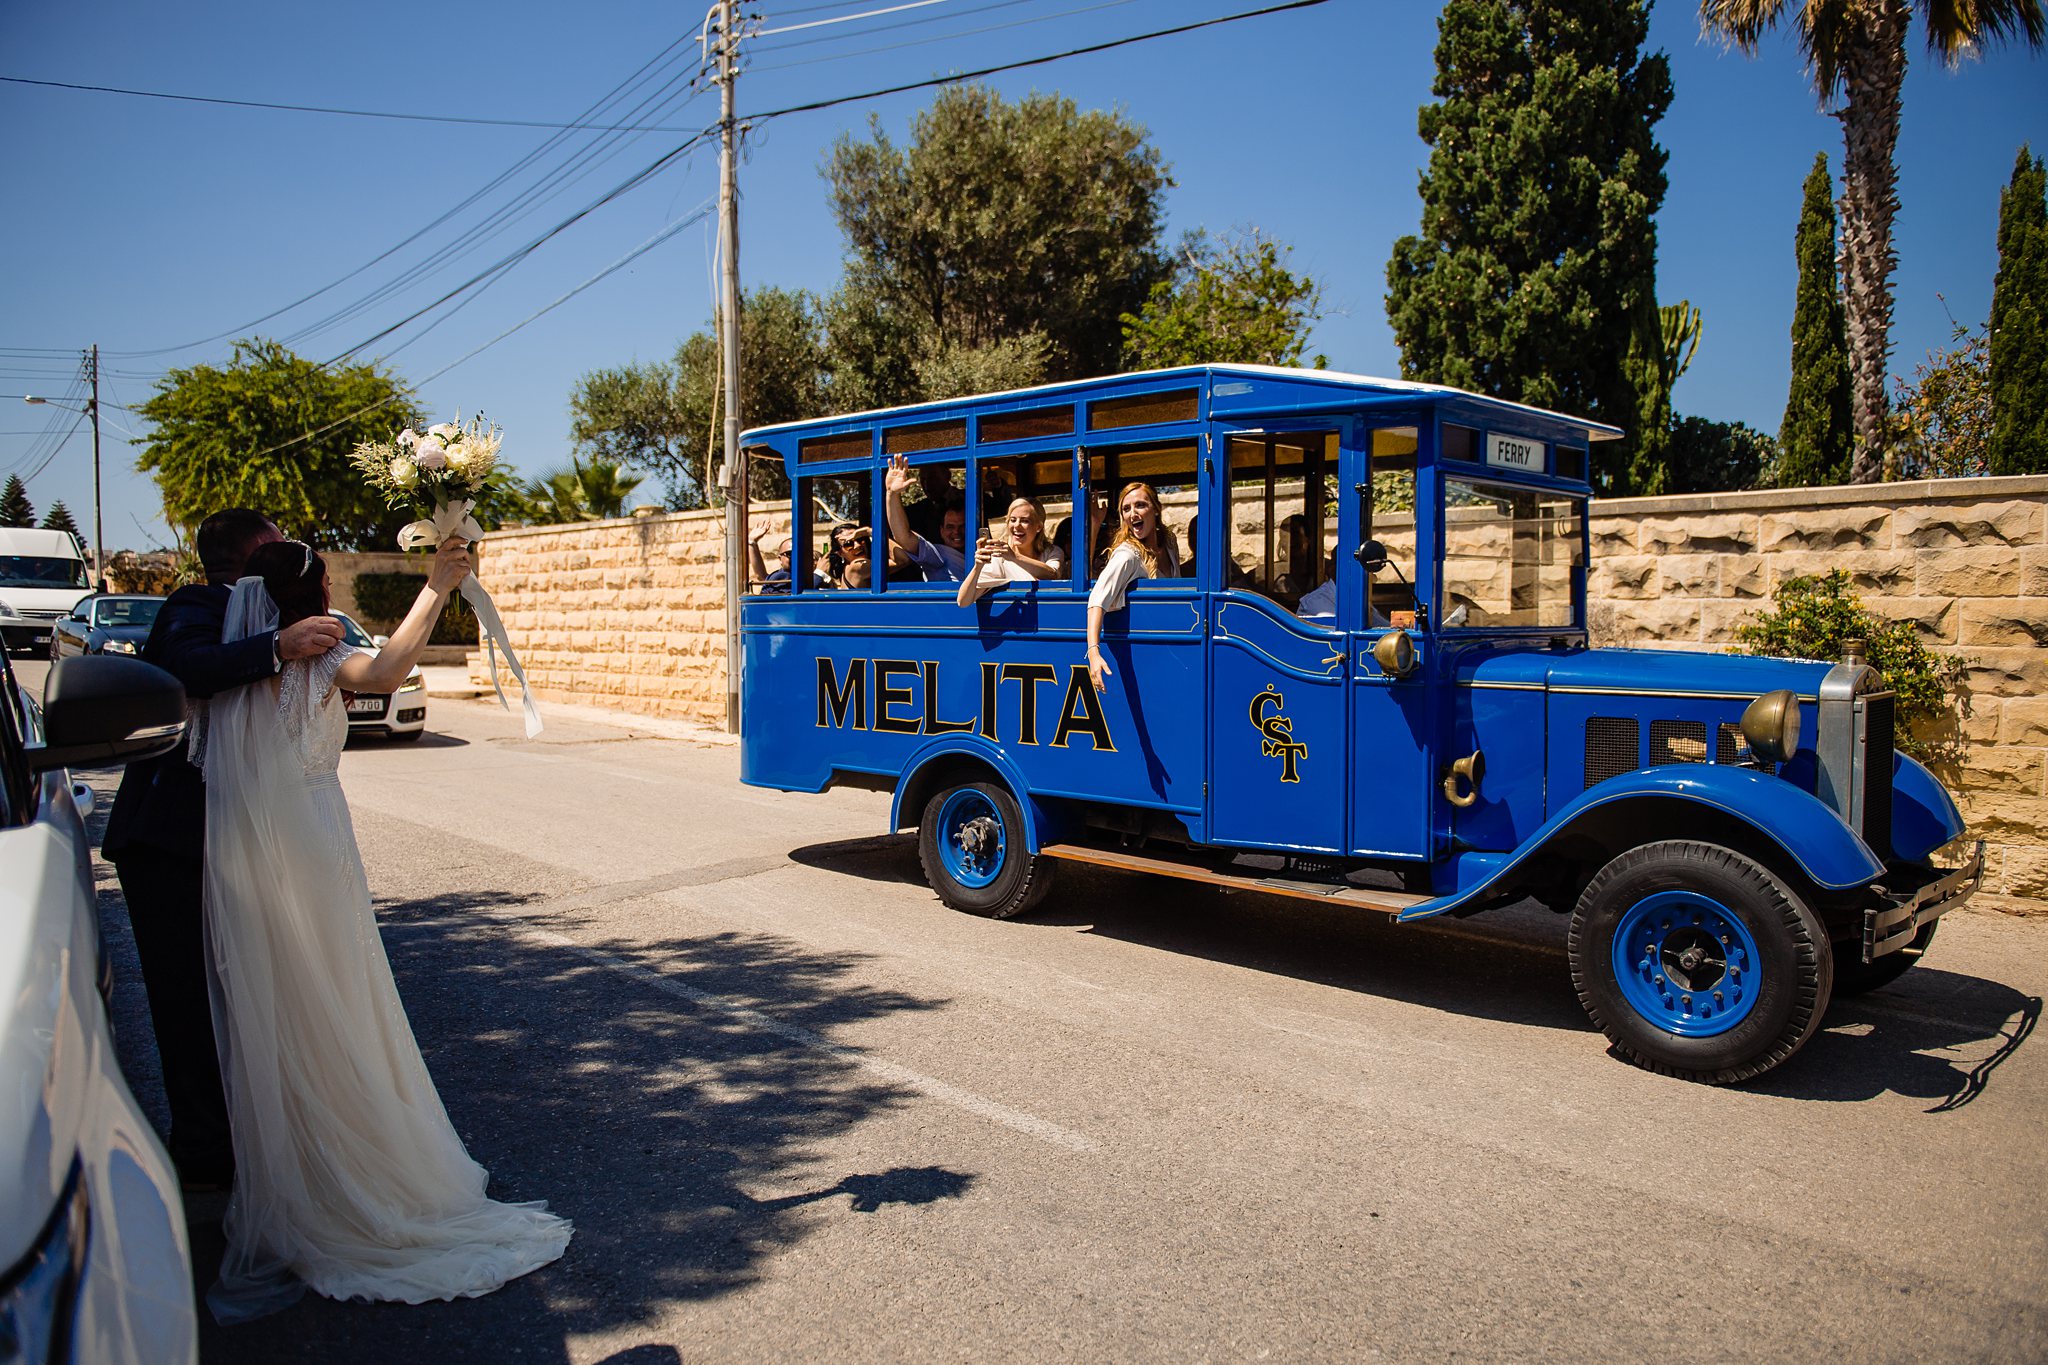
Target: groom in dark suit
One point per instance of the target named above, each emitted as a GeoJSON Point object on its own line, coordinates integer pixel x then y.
{"type": "Point", "coordinates": [156, 835]}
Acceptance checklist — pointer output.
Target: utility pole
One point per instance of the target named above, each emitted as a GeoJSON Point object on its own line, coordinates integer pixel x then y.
{"type": "Point", "coordinates": [727, 17]}
{"type": "Point", "coordinates": [99, 530]}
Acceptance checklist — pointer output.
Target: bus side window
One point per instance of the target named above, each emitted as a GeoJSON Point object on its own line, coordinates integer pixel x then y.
{"type": "Point", "coordinates": [1393, 524]}
{"type": "Point", "coordinates": [1171, 469]}
{"type": "Point", "coordinates": [1283, 521]}
{"type": "Point", "coordinates": [1046, 480]}
{"type": "Point", "coordinates": [842, 530]}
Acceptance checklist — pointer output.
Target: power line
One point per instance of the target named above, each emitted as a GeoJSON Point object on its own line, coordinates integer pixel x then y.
{"type": "Point", "coordinates": [347, 113]}
{"type": "Point", "coordinates": [848, 18]}
{"type": "Point", "coordinates": [886, 28]}
{"type": "Point", "coordinates": [959, 76]}
{"type": "Point", "coordinates": [696, 216]}
{"type": "Point", "coordinates": [506, 262]}
{"type": "Point", "coordinates": [615, 93]}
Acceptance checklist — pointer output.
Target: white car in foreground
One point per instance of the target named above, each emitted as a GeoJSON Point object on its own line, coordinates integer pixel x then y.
{"type": "Point", "coordinates": [93, 1261]}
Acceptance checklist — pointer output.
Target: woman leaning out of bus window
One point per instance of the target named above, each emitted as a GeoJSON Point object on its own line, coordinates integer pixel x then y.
{"type": "Point", "coordinates": [1142, 545]}
{"type": "Point", "coordinates": [1018, 553]}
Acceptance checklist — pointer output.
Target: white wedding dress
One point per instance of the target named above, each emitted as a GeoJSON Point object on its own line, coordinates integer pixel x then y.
{"type": "Point", "coordinates": [349, 1177]}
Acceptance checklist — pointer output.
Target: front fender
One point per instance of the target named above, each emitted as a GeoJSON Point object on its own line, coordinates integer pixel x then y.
{"type": "Point", "coordinates": [1831, 854]}
{"type": "Point", "coordinates": [1924, 816]}
{"type": "Point", "coordinates": [1037, 820]}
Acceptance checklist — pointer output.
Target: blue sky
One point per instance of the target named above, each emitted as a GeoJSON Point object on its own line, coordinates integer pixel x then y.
{"type": "Point", "coordinates": [142, 224]}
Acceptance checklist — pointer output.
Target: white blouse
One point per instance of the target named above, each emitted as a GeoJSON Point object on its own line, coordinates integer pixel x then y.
{"type": "Point", "coordinates": [1125, 564]}
{"type": "Point", "coordinates": [1007, 570]}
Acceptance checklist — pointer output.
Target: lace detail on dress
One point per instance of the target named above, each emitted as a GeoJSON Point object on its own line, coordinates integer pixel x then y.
{"type": "Point", "coordinates": [311, 706]}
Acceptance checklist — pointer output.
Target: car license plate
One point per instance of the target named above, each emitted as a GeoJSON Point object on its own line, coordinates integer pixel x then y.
{"type": "Point", "coordinates": [366, 706]}
{"type": "Point", "coordinates": [42, 639]}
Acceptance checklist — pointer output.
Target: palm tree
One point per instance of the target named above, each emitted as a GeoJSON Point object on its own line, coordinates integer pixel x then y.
{"type": "Point", "coordinates": [582, 492]}
{"type": "Point", "coordinates": [1857, 49]}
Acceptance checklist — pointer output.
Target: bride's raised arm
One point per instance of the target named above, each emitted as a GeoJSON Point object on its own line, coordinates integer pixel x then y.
{"type": "Point", "coordinates": [361, 673]}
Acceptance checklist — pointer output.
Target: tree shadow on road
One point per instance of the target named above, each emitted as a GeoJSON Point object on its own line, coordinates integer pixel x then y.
{"type": "Point", "coordinates": [643, 1114]}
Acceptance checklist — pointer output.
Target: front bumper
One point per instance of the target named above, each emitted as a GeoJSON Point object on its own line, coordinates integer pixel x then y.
{"type": "Point", "coordinates": [1892, 923]}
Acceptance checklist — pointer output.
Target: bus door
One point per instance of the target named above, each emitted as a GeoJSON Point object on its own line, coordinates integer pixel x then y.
{"type": "Point", "coordinates": [1393, 789]}
{"type": "Point", "coordinates": [1278, 661]}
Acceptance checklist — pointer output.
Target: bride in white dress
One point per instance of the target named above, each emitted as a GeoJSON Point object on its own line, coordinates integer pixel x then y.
{"type": "Point", "coordinates": [349, 1178]}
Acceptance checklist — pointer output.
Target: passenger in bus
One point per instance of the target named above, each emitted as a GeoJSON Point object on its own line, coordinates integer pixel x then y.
{"type": "Point", "coordinates": [762, 579]}
{"type": "Point", "coordinates": [1022, 555]}
{"type": "Point", "coordinates": [1234, 575]}
{"type": "Point", "coordinates": [1142, 545]}
{"type": "Point", "coordinates": [1319, 604]}
{"type": "Point", "coordinates": [935, 481]}
{"type": "Point", "coordinates": [943, 560]}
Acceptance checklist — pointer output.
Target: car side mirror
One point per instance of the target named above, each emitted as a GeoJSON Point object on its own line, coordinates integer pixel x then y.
{"type": "Point", "coordinates": [102, 709]}
{"type": "Point", "coordinates": [1372, 557]}
{"type": "Point", "coordinates": [381, 641]}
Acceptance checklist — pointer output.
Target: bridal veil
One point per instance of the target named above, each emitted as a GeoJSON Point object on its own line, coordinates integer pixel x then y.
{"type": "Point", "coordinates": [349, 1177]}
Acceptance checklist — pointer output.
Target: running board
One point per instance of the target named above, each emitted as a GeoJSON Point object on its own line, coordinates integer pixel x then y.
{"type": "Point", "coordinates": [1366, 898]}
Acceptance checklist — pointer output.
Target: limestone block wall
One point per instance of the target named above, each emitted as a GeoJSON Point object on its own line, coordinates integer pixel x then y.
{"type": "Point", "coordinates": [1964, 559]}
{"type": "Point", "coordinates": [631, 613]}
{"type": "Point", "coordinates": [627, 613]}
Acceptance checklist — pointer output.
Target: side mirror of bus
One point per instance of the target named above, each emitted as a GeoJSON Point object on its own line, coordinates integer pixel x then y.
{"type": "Point", "coordinates": [1372, 556]}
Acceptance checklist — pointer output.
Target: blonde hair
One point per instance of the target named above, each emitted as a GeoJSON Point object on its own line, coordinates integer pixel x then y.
{"type": "Point", "coordinates": [1147, 556]}
{"type": "Point", "coordinates": [1040, 543]}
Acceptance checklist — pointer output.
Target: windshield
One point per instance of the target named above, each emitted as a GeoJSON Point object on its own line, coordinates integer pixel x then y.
{"type": "Point", "coordinates": [353, 633]}
{"type": "Point", "coordinates": [126, 611]}
{"type": "Point", "coordinates": [1511, 556]}
{"type": "Point", "coordinates": [41, 571]}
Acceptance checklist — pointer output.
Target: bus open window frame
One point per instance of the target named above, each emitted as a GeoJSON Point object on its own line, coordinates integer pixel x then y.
{"type": "Point", "coordinates": [1320, 454]}
{"type": "Point", "coordinates": [1014, 463]}
{"type": "Point", "coordinates": [1112, 480]}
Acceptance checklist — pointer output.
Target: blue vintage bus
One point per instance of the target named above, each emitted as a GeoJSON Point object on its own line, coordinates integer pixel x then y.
{"type": "Point", "coordinates": [1364, 678]}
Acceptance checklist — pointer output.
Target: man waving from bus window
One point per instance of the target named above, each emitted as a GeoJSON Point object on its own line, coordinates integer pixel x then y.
{"type": "Point", "coordinates": [943, 561]}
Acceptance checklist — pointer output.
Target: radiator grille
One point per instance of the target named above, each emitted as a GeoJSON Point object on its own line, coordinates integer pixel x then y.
{"type": "Point", "coordinates": [1728, 745]}
{"type": "Point", "coordinates": [1677, 741]}
{"type": "Point", "coordinates": [1614, 746]}
{"type": "Point", "coordinates": [1877, 772]}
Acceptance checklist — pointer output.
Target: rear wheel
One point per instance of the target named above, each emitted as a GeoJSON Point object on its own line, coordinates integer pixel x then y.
{"type": "Point", "coordinates": [1699, 963]}
{"type": "Point", "coordinates": [972, 844]}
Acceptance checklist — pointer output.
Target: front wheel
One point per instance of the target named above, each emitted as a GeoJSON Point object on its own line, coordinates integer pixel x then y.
{"type": "Point", "coordinates": [972, 844]}
{"type": "Point", "coordinates": [1699, 963]}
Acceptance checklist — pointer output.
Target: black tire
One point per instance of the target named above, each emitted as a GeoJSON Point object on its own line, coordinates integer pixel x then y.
{"type": "Point", "coordinates": [1854, 976]}
{"type": "Point", "coordinates": [1016, 880]}
{"type": "Point", "coordinates": [1717, 932]}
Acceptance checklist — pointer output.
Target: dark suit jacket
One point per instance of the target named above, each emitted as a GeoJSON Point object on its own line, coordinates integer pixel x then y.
{"type": "Point", "coordinates": [162, 801]}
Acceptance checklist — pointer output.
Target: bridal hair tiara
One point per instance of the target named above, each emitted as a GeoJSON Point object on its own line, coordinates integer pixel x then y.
{"type": "Point", "coordinates": [306, 566]}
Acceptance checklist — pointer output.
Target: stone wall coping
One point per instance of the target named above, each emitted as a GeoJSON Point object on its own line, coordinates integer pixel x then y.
{"type": "Point", "coordinates": [1773, 499]}
{"type": "Point", "coordinates": [695, 514]}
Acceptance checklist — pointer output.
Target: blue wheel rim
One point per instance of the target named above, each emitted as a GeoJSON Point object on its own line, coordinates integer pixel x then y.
{"type": "Point", "coordinates": [973, 841]}
{"type": "Point", "coordinates": [1687, 964]}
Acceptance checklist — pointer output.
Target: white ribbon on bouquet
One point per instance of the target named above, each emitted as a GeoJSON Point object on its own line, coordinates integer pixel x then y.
{"type": "Point", "coordinates": [453, 519]}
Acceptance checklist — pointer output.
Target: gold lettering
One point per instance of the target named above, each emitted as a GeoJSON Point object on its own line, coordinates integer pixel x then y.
{"type": "Point", "coordinates": [887, 696]}
{"type": "Point", "coordinates": [1089, 719]}
{"type": "Point", "coordinates": [1028, 677]}
{"type": "Point", "coordinates": [837, 700]}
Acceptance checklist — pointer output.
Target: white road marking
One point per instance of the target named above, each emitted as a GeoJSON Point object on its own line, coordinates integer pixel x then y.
{"type": "Point", "coordinates": [931, 1086]}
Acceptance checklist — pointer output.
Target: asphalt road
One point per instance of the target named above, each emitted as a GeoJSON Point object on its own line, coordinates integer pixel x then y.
{"type": "Point", "coordinates": [798, 1110]}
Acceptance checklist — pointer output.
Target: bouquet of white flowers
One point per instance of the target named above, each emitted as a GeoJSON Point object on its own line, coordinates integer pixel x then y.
{"type": "Point", "coordinates": [438, 472]}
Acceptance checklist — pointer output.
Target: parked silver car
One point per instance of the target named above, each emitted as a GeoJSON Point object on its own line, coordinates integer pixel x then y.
{"type": "Point", "coordinates": [94, 1265]}
{"type": "Point", "coordinates": [396, 715]}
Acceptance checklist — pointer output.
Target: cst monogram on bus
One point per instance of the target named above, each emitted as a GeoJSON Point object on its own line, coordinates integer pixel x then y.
{"type": "Point", "coordinates": [1355, 669]}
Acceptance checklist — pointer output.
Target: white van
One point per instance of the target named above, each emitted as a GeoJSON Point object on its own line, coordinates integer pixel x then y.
{"type": "Point", "coordinates": [42, 577]}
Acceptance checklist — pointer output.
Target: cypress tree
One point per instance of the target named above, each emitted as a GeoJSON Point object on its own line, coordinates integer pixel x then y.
{"type": "Point", "coordinates": [15, 508]}
{"type": "Point", "coordinates": [1534, 272]}
{"type": "Point", "coordinates": [59, 518]}
{"type": "Point", "coordinates": [1818, 436]}
{"type": "Point", "coordinates": [2019, 325]}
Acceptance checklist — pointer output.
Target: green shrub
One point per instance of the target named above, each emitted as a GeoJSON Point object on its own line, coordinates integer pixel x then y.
{"type": "Point", "coordinates": [1811, 617]}
{"type": "Point", "coordinates": [382, 600]}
